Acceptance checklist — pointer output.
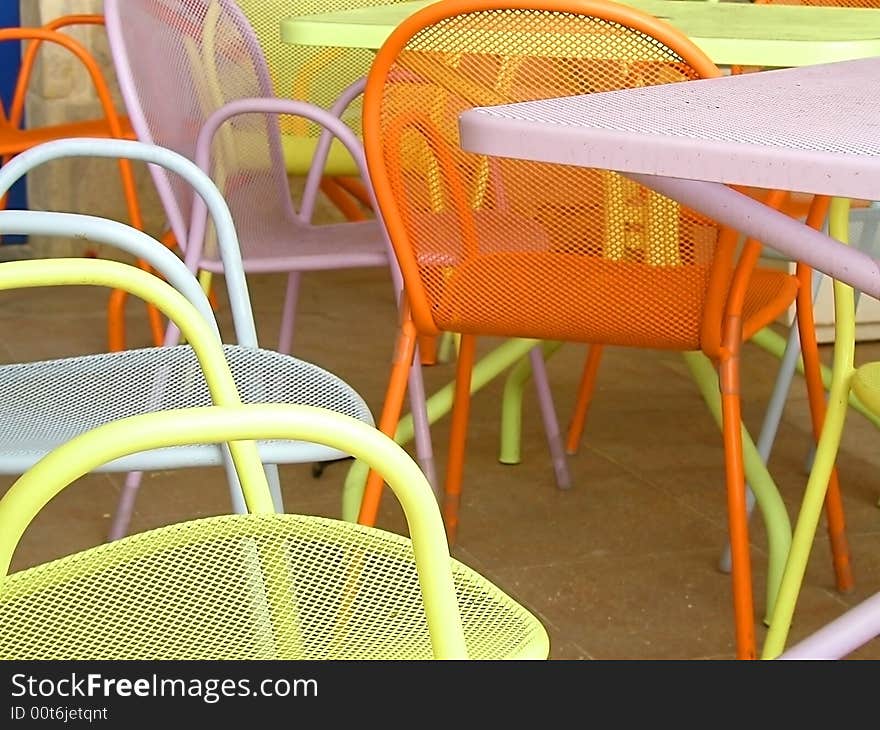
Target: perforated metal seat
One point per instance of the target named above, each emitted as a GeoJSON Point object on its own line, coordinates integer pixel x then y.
{"type": "Point", "coordinates": [260, 585]}
{"type": "Point", "coordinates": [250, 587]}
{"type": "Point", "coordinates": [45, 404]}
{"type": "Point", "coordinates": [89, 391]}
{"type": "Point", "coordinates": [866, 385]}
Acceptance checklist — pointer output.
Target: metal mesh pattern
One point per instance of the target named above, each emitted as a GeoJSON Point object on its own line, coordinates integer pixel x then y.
{"type": "Point", "coordinates": [308, 72]}
{"type": "Point", "coordinates": [45, 404]}
{"type": "Point", "coordinates": [249, 587]}
{"type": "Point", "coordinates": [866, 385]}
{"type": "Point", "coordinates": [188, 58]}
{"type": "Point", "coordinates": [522, 248]}
{"type": "Point", "coordinates": [694, 110]}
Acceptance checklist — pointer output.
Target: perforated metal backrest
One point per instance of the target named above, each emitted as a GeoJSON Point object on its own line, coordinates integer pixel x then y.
{"type": "Point", "coordinates": [308, 72]}
{"type": "Point", "coordinates": [178, 61]}
{"type": "Point", "coordinates": [182, 169]}
{"type": "Point", "coordinates": [511, 247]}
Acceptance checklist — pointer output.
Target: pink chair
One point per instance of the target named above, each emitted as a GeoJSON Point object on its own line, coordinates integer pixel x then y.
{"type": "Point", "coordinates": [194, 79]}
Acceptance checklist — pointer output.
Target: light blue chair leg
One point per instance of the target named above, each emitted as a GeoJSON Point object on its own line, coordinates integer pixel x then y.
{"type": "Point", "coordinates": [274, 481]}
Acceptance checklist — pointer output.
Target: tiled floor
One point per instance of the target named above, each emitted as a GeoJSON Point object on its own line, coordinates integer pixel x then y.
{"type": "Point", "coordinates": [623, 565]}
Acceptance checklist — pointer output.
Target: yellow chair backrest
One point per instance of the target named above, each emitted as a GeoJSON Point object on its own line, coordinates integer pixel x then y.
{"type": "Point", "coordinates": [311, 73]}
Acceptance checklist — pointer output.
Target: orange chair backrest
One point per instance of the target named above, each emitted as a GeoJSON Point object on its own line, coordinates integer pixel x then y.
{"type": "Point", "coordinates": [519, 248]}
{"type": "Point", "coordinates": [13, 141]}
{"type": "Point", "coordinates": [51, 34]}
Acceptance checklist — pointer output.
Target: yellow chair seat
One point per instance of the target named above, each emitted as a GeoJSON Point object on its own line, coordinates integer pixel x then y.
{"type": "Point", "coordinates": [249, 587]}
{"type": "Point", "coordinates": [298, 153]}
{"type": "Point", "coordinates": [866, 386]}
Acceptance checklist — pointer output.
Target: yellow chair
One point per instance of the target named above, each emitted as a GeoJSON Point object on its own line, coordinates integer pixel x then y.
{"type": "Point", "coordinates": [259, 585]}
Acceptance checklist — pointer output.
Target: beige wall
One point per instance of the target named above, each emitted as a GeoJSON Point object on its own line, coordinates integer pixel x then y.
{"type": "Point", "coordinates": [60, 91]}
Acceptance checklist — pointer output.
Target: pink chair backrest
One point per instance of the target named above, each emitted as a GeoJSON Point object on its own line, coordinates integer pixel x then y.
{"type": "Point", "coordinates": [179, 61]}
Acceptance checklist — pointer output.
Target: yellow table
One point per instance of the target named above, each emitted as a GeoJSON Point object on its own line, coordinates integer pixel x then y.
{"type": "Point", "coordinates": [729, 33]}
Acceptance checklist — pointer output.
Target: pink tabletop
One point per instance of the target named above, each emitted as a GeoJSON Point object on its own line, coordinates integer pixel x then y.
{"type": "Point", "coordinates": [814, 129]}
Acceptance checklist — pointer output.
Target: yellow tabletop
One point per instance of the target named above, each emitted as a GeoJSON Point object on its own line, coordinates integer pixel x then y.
{"type": "Point", "coordinates": [729, 33]}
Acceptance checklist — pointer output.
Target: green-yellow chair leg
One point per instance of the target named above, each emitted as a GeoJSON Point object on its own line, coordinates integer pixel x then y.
{"type": "Point", "coordinates": [511, 405]}
{"type": "Point", "coordinates": [826, 451]}
{"type": "Point", "coordinates": [769, 500]}
{"type": "Point", "coordinates": [447, 346]}
{"type": "Point", "coordinates": [438, 405]}
{"type": "Point", "coordinates": [774, 343]}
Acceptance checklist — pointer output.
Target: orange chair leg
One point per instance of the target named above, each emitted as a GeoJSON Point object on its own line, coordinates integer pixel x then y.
{"type": "Point", "coordinates": [212, 298]}
{"type": "Point", "coordinates": [458, 436]}
{"type": "Point", "coordinates": [428, 349]}
{"type": "Point", "coordinates": [116, 320]}
{"type": "Point", "coordinates": [341, 200]}
{"type": "Point", "coordinates": [737, 514]}
{"type": "Point", "coordinates": [356, 189]}
{"type": "Point", "coordinates": [154, 317]}
{"type": "Point", "coordinates": [403, 356]}
{"type": "Point", "coordinates": [840, 553]}
{"type": "Point", "coordinates": [116, 309]}
{"type": "Point", "coordinates": [584, 397]}
{"type": "Point", "coordinates": [116, 317]}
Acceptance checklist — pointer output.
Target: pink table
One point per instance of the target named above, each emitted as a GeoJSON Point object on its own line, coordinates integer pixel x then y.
{"type": "Point", "coordinates": [813, 129]}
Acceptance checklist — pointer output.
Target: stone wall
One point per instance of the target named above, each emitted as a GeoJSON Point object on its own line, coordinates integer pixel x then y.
{"type": "Point", "coordinates": [61, 91]}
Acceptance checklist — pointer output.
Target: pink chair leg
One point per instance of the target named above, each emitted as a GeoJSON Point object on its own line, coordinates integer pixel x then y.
{"type": "Point", "coordinates": [125, 506]}
{"type": "Point", "coordinates": [548, 415]}
{"type": "Point", "coordinates": [421, 425]}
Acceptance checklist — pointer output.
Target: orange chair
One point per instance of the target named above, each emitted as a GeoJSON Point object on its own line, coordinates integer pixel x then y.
{"type": "Point", "coordinates": [16, 138]}
{"type": "Point", "coordinates": [515, 248]}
